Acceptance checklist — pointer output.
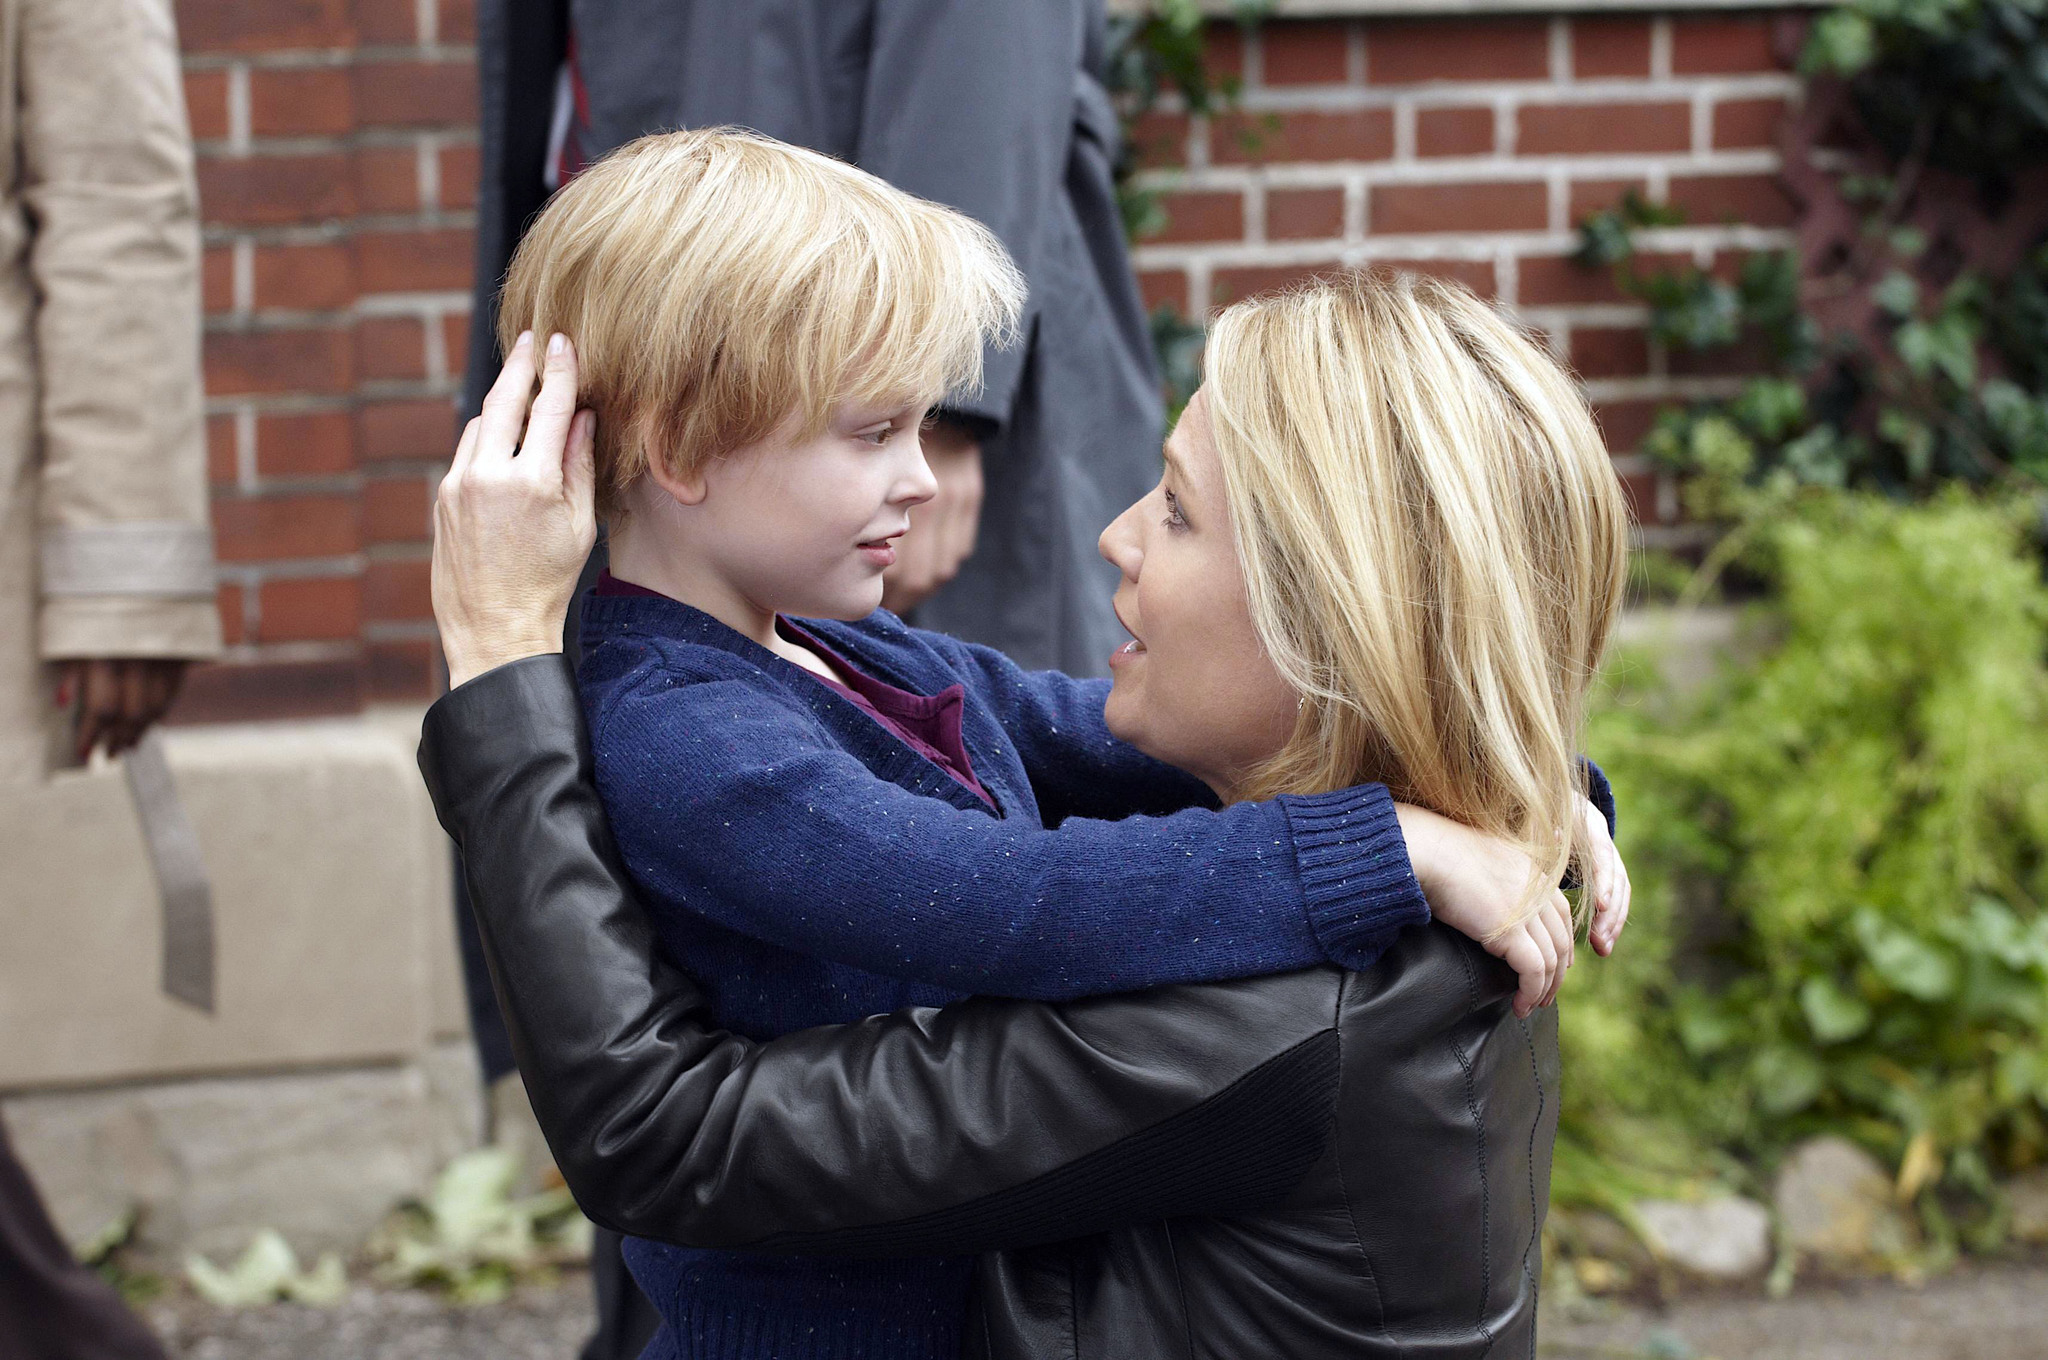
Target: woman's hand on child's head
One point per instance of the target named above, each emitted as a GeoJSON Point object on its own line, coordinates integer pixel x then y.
{"type": "Point", "coordinates": [514, 522]}
{"type": "Point", "coordinates": [1606, 879]}
{"type": "Point", "coordinates": [1479, 886]}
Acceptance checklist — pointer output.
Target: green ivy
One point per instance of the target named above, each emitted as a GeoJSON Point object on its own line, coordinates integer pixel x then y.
{"type": "Point", "coordinates": [1841, 862]}
{"type": "Point", "coordinates": [1154, 56]}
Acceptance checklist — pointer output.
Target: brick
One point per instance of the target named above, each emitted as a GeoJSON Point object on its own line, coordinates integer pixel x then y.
{"type": "Point", "coordinates": [268, 191]}
{"type": "Point", "coordinates": [1624, 423]}
{"type": "Point", "coordinates": [397, 509]}
{"type": "Point", "coordinates": [282, 359]}
{"type": "Point", "coordinates": [416, 93]}
{"type": "Point", "coordinates": [1589, 196]}
{"type": "Point", "coordinates": [222, 464]}
{"type": "Point", "coordinates": [458, 21]}
{"type": "Point", "coordinates": [206, 104]}
{"type": "Point", "coordinates": [1747, 123]}
{"type": "Point", "coordinates": [390, 348]}
{"type": "Point", "coordinates": [1223, 49]}
{"type": "Point", "coordinates": [1201, 216]}
{"type": "Point", "coordinates": [274, 528]}
{"type": "Point", "coordinates": [1639, 489]}
{"type": "Point", "coordinates": [323, 609]}
{"type": "Point", "coordinates": [217, 279]}
{"type": "Point", "coordinates": [1560, 281]}
{"type": "Point", "coordinates": [228, 600]}
{"type": "Point", "coordinates": [423, 428]}
{"type": "Point", "coordinates": [1160, 140]}
{"type": "Point", "coordinates": [1401, 208]}
{"type": "Point", "coordinates": [397, 590]}
{"type": "Point", "coordinates": [1758, 200]}
{"type": "Point", "coordinates": [300, 102]}
{"type": "Point", "coordinates": [1303, 53]}
{"type": "Point", "coordinates": [305, 444]}
{"type": "Point", "coordinates": [1749, 355]}
{"type": "Point", "coordinates": [387, 179]}
{"type": "Point", "coordinates": [1476, 275]}
{"type": "Point", "coordinates": [1610, 351]}
{"type": "Point", "coordinates": [308, 278]}
{"type": "Point", "coordinates": [402, 670]}
{"type": "Point", "coordinates": [1164, 288]}
{"type": "Point", "coordinates": [459, 171]}
{"type": "Point", "coordinates": [1454, 132]}
{"type": "Point", "coordinates": [1412, 52]}
{"type": "Point", "coordinates": [388, 23]}
{"type": "Point", "coordinates": [263, 25]}
{"type": "Point", "coordinates": [1304, 214]}
{"type": "Point", "coordinates": [1354, 135]}
{"type": "Point", "coordinates": [1722, 44]}
{"type": "Point", "coordinates": [1610, 47]}
{"type": "Point", "coordinates": [1594, 129]}
{"type": "Point", "coordinates": [455, 341]}
{"type": "Point", "coordinates": [1229, 285]}
{"type": "Point", "coordinates": [269, 690]}
{"type": "Point", "coordinates": [437, 260]}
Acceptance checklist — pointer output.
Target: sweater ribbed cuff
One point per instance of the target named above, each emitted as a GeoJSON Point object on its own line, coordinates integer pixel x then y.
{"type": "Point", "coordinates": [1355, 874]}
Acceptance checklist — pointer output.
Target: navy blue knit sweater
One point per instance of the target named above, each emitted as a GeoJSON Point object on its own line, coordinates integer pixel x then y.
{"type": "Point", "coordinates": [811, 868]}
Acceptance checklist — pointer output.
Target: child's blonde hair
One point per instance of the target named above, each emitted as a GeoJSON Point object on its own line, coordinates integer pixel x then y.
{"type": "Point", "coordinates": [717, 283]}
{"type": "Point", "coordinates": [1434, 546]}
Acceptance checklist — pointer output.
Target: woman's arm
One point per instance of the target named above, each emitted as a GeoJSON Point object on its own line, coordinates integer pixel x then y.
{"type": "Point", "coordinates": [989, 1124]}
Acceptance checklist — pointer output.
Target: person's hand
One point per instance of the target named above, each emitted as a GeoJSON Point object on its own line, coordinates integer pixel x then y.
{"type": "Point", "coordinates": [943, 529]}
{"type": "Point", "coordinates": [1479, 886]}
{"type": "Point", "coordinates": [119, 698]}
{"type": "Point", "coordinates": [514, 522]}
{"type": "Point", "coordinates": [1606, 879]}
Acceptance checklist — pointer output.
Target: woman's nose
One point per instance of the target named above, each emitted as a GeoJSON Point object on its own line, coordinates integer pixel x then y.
{"type": "Point", "coordinates": [1119, 543]}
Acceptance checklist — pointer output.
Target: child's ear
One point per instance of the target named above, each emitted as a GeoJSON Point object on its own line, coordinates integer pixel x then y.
{"type": "Point", "coordinates": [685, 488]}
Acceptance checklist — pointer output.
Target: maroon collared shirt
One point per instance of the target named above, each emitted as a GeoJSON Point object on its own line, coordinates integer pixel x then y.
{"type": "Point", "coordinates": [927, 724]}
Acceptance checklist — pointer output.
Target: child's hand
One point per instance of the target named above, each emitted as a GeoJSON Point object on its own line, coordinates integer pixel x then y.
{"type": "Point", "coordinates": [1478, 885]}
{"type": "Point", "coordinates": [1606, 878]}
{"type": "Point", "coordinates": [514, 522]}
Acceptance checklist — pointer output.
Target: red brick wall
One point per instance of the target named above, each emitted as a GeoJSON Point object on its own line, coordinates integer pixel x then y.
{"type": "Point", "coordinates": [337, 174]}
{"type": "Point", "coordinates": [1471, 147]}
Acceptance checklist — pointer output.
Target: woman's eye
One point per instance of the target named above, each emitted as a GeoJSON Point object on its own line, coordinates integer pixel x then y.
{"type": "Point", "coordinates": [1174, 519]}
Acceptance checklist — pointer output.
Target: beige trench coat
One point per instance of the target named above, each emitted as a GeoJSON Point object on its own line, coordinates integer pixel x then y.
{"type": "Point", "coordinates": [105, 544]}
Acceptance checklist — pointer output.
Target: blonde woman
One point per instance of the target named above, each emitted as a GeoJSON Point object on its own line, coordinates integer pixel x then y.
{"type": "Point", "coordinates": [1387, 546]}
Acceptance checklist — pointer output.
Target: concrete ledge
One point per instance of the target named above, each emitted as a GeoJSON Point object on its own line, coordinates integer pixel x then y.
{"type": "Point", "coordinates": [319, 1156]}
{"type": "Point", "coordinates": [334, 934]}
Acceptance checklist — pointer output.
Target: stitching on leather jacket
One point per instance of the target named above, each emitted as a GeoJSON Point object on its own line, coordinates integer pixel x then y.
{"type": "Point", "coordinates": [1479, 1141]}
{"type": "Point", "coordinates": [1372, 1278]}
{"type": "Point", "coordinates": [1534, 1278]}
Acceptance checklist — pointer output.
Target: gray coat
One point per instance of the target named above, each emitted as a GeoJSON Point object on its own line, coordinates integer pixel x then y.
{"type": "Point", "coordinates": [995, 107]}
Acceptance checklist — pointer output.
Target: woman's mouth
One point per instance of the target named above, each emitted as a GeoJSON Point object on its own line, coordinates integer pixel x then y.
{"type": "Point", "coordinates": [1124, 654]}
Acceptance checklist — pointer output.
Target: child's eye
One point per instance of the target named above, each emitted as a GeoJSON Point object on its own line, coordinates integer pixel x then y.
{"type": "Point", "coordinates": [877, 437]}
{"type": "Point", "coordinates": [1174, 519]}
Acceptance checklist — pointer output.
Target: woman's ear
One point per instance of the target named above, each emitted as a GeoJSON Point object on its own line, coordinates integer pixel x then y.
{"type": "Point", "coordinates": [683, 488]}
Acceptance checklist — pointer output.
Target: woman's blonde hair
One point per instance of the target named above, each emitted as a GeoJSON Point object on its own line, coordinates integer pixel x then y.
{"type": "Point", "coordinates": [717, 283]}
{"type": "Point", "coordinates": [1434, 545]}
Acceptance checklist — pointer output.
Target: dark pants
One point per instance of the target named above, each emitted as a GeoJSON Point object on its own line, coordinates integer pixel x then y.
{"type": "Point", "coordinates": [51, 1307]}
{"type": "Point", "coordinates": [626, 1321]}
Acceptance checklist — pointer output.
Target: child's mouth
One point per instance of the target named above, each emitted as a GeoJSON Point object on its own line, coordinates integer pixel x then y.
{"type": "Point", "coordinates": [881, 552]}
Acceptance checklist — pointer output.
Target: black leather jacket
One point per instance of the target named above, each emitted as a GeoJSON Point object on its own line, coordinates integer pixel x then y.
{"type": "Point", "coordinates": [1316, 1164]}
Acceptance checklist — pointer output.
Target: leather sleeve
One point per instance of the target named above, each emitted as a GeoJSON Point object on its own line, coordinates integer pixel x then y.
{"type": "Point", "coordinates": [984, 1125]}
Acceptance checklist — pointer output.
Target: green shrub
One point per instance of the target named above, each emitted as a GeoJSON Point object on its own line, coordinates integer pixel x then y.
{"type": "Point", "coordinates": [1840, 853]}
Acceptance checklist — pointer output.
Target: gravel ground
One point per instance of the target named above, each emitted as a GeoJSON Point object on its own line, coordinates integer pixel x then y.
{"type": "Point", "coordinates": [1980, 1313]}
{"type": "Point", "coordinates": [1986, 1313]}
